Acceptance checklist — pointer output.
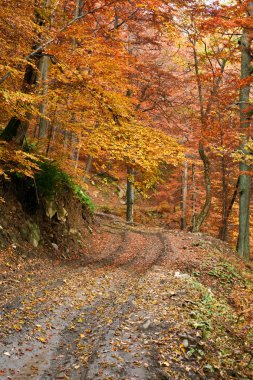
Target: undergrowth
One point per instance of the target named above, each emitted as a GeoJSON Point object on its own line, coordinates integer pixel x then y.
{"type": "Point", "coordinates": [218, 323]}
{"type": "Point", "coordinates": [223, 312]}
{"type": "Point", "coordinates": [50, 180]}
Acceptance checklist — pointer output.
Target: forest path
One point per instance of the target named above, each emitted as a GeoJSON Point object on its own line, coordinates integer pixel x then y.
{"type": "Point", "coordinates": [121, 316]}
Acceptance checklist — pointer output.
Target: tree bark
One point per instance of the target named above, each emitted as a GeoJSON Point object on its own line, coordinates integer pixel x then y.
{"type": "Point", "coordinates": [130, 195]}
{"type": "Point", "coordinates": [184, 196]}
{"type": "Point", "coordinates": [43, 122]}
{"type": "Point", "coordinates": [206, 207]}
{"type": "Point", "coordinates": [224, 218]}
{"type": "Point", "coordinates": [243, 243]}
{"type": "Point", "coordinates": [88, 164]}
{"type": "Point", "coordinates": [194, 197]}
{"type": "Point", "coordinates": [204, 114]}
{"type": "Point", "coordinates": [199, 219]}
{"type": "Point", "coordinates": [17, 128]}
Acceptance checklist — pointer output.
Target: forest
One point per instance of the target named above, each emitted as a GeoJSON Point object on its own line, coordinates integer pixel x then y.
{"type": "Point", "coordinates": [126, 142]}
{"type": "Point", "coordinates": [144, 89]}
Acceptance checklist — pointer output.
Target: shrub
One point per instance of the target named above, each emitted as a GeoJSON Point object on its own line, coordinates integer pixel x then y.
{"type": "Point", "coordinates": [50, 180]}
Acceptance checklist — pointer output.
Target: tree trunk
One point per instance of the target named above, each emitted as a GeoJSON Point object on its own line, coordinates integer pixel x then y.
{"type": "Point", "coordinates": [130, 196]}
{"type": "Point", "coordinates": [184, 196]}
{"type": "Point", "coordinates": [199, 219]}
{"type": "Point", "coordinates": [88, 164]}
{"type": "Point", "coordinates": [194, 198]}
{"type": "Point", "coordinates": [16, 128]}
{"type": "Point", "coordinates": [243, 245]}
{"type": "Point", "coordinates": [43, 122]}
{"type": "Point", "coordinates": [224, 218]}
{"type": "Point", "coordinates": [205, 209]}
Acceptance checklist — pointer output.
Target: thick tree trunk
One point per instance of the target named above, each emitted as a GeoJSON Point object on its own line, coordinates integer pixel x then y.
{"type": "Point", "coordinates": [16, 128]}
{"type": "Point", "coordinates": [130, 196]}
{"type": "Point", "coordinates": [243, 244]}
{"type": "Point", "coordinates": [184, 196]}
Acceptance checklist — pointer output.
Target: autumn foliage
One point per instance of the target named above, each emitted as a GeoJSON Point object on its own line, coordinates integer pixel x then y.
{"type": "Point", "coordinates": [143, 85]}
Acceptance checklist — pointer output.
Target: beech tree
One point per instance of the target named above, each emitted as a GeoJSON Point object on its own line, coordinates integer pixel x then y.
{"type": "Point", "coordinates": [243, 244]}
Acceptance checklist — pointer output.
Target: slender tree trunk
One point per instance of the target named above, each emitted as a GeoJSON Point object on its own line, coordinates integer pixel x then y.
{"type": "Point", "coordinates": [199, 219]}
{"type": "Point", "coordinates": [224, 219]}
{"type": "Point", "coordinates": [194, 197]}
{"type": "Point", "coordinates": [206, 207]}
{"type": "Point", "coordinates": [43, 122]}
{"type": "Point", "coordinates": [88, 164]}
{"type": "Point", "coordinates": [184, 196]}
{"type": "Point", "coordinates": [130, 196]}
{"type": "Point", "coordinates": [243, 244]}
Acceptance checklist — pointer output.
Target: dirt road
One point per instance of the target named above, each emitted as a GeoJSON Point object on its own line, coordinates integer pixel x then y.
{"type": "Point", "coordinates": [122, 315]}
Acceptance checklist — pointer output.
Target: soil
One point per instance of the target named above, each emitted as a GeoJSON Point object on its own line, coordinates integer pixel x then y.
{"type": "Point", "coordinates": [121, 310]}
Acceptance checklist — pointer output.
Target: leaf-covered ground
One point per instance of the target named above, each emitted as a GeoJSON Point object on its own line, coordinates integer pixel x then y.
{"type": "Point", "coordinates": [140, 304]}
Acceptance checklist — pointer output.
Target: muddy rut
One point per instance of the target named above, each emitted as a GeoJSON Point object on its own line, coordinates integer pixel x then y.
{"type": "Point", "coordinates": [104, 319]}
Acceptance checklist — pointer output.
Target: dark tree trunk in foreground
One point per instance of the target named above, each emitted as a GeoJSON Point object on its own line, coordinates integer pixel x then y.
{"type": "Point", "coordinates": [243, 245]}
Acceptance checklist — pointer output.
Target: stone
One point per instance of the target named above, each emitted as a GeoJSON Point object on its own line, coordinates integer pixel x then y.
{"type": "Point", "coordinates": [73, 231]}
{"type": "Point", "coordinates": [62, 214]}
{"type": "Point", "coordinates": [51, 208]}
{"type": "Point", "coordinates": [55, 246]}
{"type": "Point", "coordinates": [146, 324]}
{"type": "Point", "coordinates": [178, 274]}
{"type": "Point", "coordinates": [185, 343]}
{"type": "Point", "coordinates": [33, 235]}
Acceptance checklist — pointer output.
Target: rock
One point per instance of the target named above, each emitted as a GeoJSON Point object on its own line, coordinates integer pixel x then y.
{"type": "Point", "coordinates": [181, 275]}
{"type": "Point", "coordinates": [73, 231]}
{"type": "Point", "coordinates": [185, 343]}
{"type": "Point", "coordinates": [24, 233]}
{"type": "Point", "coordinates": [146, 324]}
{"type": "Point", "coordinates": [51, 209]}
{"type": "Point", "coordinates": [122, 193]}
{"type": "Point", "coordinates": [62, 214]}
{"type": "Point", "coordinates": [32, 234]}
{"type": "Point", "coordinates": [55, 246]}
{"type": "Point", "coordinates": [183, 335]}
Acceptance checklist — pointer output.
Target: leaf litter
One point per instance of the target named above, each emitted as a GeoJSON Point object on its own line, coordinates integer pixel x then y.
{"type": "Point", "coordinates": [130, 317]}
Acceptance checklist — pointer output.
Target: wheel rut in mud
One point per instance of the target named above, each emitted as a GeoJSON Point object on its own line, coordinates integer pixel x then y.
{"type": "Point", "coordinates": [101, 321]}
